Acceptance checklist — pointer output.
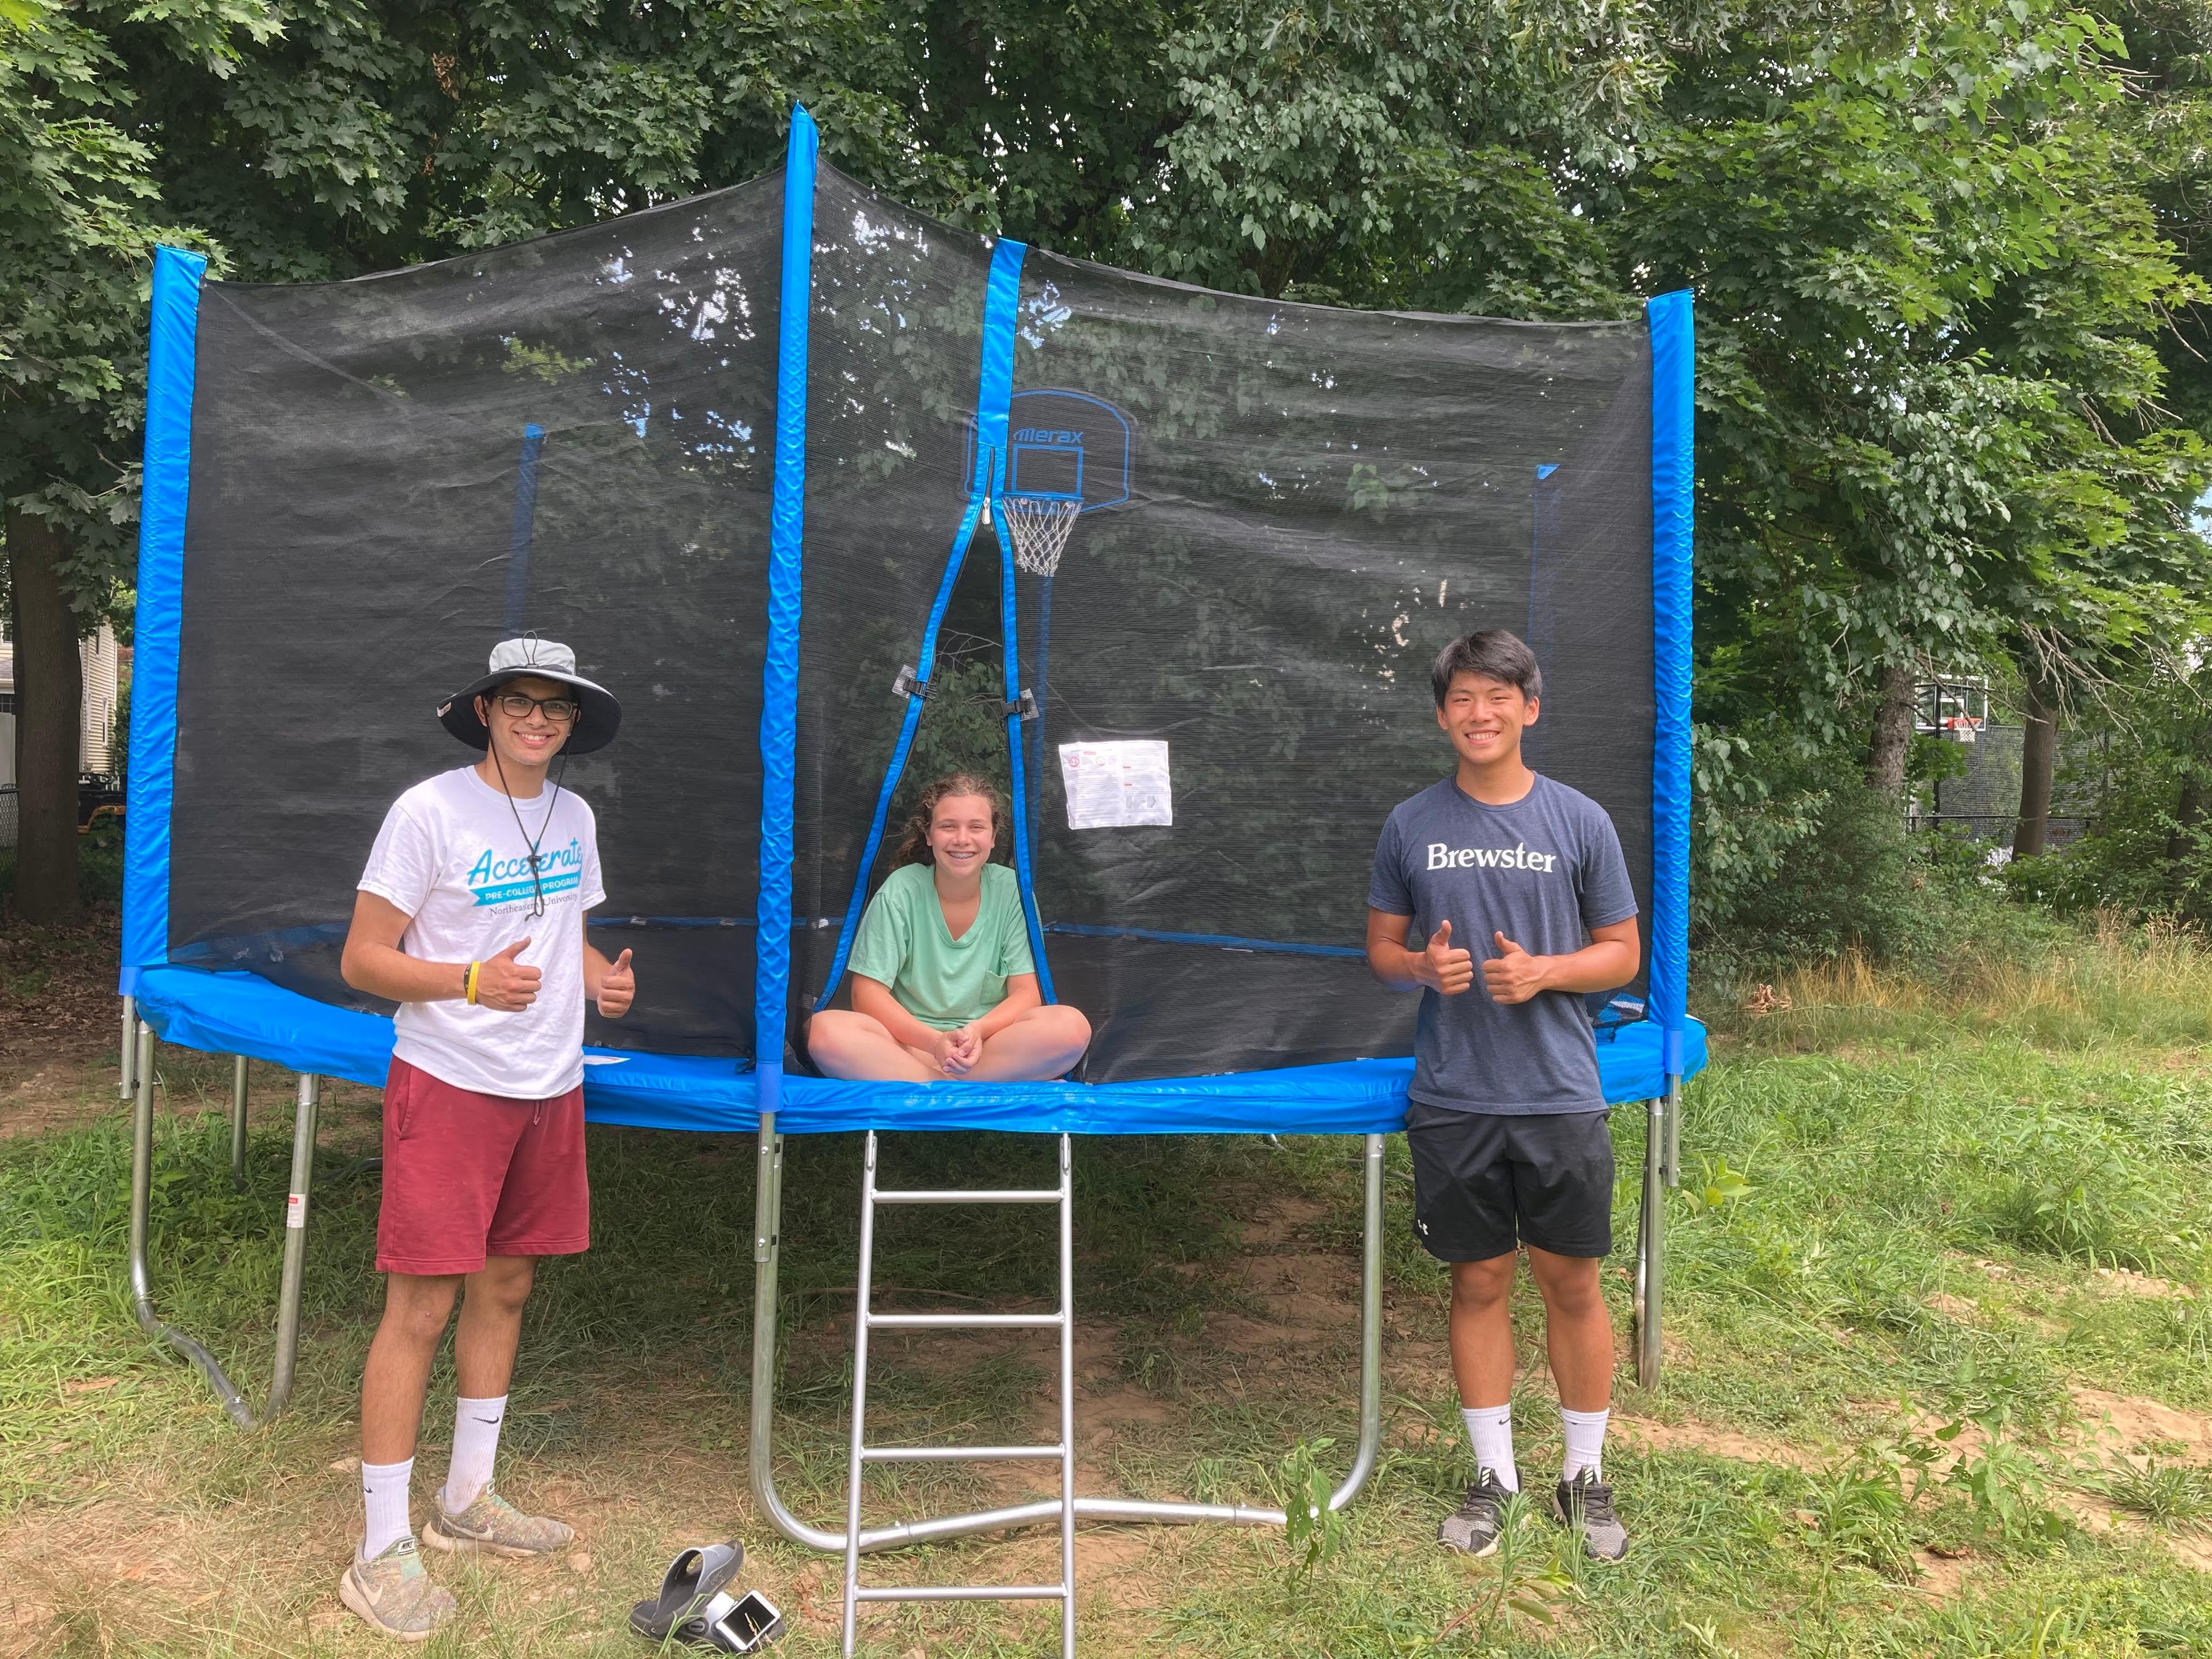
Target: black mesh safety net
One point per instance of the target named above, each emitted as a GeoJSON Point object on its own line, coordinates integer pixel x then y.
{"type": "Point", "coordinates": [571, 436]}
{"type": "Point", "coordinates": [1276, 516]}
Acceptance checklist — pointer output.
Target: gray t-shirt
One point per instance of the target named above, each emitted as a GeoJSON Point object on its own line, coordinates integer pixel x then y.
{"type": "Point", "coordinates": [1543, 872]}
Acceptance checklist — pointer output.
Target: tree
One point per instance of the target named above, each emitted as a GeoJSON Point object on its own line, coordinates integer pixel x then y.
{"type": "Point", "coordinates": [1929, 291]}
{"type": "Point", "coordinates": [80, 215]}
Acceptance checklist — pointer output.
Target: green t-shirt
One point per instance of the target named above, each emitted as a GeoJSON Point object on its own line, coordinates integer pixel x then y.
{"type": "Point", "coordinates": [941, 981]}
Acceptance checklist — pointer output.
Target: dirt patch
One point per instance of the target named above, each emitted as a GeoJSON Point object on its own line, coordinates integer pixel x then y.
{"type": "Point", "coordinates": [1699, 1437]}
{"type": "Point", "coordinates": [2140, 1422]}
{"type": "Point", "coordinates": [2124, 1281]}
{"type": "Point", "coordinates": [1941, 1576]}
{"type": "Point", "coordinates": [57, 991]}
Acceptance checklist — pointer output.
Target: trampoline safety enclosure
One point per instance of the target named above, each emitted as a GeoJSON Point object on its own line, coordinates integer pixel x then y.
{"type": "Point", "coordinates": [748, 452]}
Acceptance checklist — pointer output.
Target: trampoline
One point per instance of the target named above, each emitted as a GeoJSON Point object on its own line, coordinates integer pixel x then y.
{"type": "Point", "coordinates": [784, 462]}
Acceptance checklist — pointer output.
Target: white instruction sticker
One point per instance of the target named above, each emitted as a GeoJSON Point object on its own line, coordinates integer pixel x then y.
{"type": "Point", "coordinates": [1112, 784]}
{"type": "Point", "coordinates": [295, 1209]}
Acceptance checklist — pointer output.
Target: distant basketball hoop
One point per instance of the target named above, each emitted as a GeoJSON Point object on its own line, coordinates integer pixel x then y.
{"type": "Point", "coordinates": [1039, 527]}
{"type": "Point", "coordinates": [1067, 453]}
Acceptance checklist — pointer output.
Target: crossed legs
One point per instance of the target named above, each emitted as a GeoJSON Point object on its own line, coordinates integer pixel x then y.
{"type": "Point", "coordinates": [1042, 1043]}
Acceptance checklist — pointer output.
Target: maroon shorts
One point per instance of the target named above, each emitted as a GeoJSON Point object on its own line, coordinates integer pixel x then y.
{"type": "Point", "coordinates": [468, 1175]}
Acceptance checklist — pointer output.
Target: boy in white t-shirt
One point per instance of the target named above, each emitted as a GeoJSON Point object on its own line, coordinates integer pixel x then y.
{"type": "Point", "coordinates": [470, 917]}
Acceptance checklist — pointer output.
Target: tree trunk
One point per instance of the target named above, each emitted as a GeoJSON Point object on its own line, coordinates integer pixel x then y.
{"type": "Point", "coordinates": [2038, 755]}
{"type": "Point", "coordinates": [49, 711]}
{"type": "Point", "coordinates": [1892, 731]}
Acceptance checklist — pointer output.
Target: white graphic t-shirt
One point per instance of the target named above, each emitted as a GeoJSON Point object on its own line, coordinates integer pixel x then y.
{"type": "Point", "coordinates": [452, 857]}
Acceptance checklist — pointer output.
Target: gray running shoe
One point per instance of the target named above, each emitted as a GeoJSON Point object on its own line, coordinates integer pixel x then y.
{"type": "Point", "coordinates": [1585, 1505]}
{"type": "Point", "coordinates": [1474, 1526]}
{"type": "Point", "coordinates": [490, 1522]}
{"type": "Point", "coordinates": [395, 1595]}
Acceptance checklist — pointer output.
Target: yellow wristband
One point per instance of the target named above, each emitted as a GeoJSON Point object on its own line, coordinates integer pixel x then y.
{"type": "Point", "coordinates": [469, 990]}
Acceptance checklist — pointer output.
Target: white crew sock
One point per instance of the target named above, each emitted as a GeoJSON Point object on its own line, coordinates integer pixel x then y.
{"type": "Point", "coordinates": [1585, 1443]}
{"type": "Point", "coordinates": [476, 1443]}
{"type": "Point", "coordinates": [384, 1503]}
{"type": "Point", "coordinates": [1491, 1429]}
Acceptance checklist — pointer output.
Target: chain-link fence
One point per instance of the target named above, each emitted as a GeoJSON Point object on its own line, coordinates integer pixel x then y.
{"type": "Point", "coordinates": [7, 815]}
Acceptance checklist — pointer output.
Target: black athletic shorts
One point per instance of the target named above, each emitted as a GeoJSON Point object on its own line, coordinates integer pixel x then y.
{"type": "Point", "coordinates": [1484, 1182]}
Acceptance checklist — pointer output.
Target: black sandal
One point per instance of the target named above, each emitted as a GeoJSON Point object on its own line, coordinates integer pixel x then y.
{"type": "Point", "coordinates": [696, 1609]}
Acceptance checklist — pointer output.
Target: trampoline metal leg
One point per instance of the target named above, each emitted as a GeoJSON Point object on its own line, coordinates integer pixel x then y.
{"type": "Point", "coordinates": [296, 1239]}
{"type": "Point", "coordinates": [767, 1220]}
{"type": "Point", "coordinates": [127, 1050]}
{"type": "Point", "coordinates": [238, 1119]}
{"type": "Point", "coordinates": [1674, 1132]}
{"type": "Point", "coordinates": [1370, 1331]}
{"type": "Point", "coordinates": [1650, 1246]}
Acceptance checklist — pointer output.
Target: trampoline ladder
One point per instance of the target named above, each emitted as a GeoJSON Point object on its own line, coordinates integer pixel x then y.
{"type": "Point", "coordinates": [868, 1320]}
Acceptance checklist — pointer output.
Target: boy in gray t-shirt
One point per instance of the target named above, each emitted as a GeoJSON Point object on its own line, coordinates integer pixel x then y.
{"type": "Point", "coordinates": [1507, 1123]}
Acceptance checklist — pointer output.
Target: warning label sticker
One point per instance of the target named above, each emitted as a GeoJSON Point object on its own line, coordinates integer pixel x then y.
{"type": "Point", "coordinates": [1112, 786]}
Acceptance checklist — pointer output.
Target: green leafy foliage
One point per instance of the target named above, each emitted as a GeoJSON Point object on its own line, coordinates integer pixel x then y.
{"type": "Point", "coordinates": [1312, 1531]}
{"type": "Point", "coordinates": [1950, 264]}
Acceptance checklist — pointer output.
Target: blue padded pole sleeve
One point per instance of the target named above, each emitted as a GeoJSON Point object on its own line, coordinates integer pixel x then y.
{"type": "Point", "coordinates": [1038, 750]}
{"type": "Point", "coordinates": [779, 735]}
{"type": "Point", "coordinates": [1673, 481]}
{"type": "Point", "coordinates": [174, 330]}
{"type": "Point", "coordinates": [892, 773]}
{"type": "Point", "coordinates": [1010, 621]}
{"type": "Point", "coordinates": [525, 521]}
{"type": "Point", "coordinates": [993, 402]}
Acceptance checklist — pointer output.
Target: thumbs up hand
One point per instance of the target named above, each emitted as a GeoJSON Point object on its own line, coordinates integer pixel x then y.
{"type": "Point", "coordinates": [504, 983]}
{"type": "Point", "coordinates": [1442, 969]}
{"type": "Point", "coordinates": [617, 988]}
{"type": "Point", "coordinates": [1512, 975]}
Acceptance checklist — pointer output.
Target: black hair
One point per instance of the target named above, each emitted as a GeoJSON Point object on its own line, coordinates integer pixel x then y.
{"type": "Point", "coordinates": [1493, 653]}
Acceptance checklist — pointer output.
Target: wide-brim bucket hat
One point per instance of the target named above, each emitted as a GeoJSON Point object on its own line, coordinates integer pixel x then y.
{"type": "Point", "coordinates": [531, 657]}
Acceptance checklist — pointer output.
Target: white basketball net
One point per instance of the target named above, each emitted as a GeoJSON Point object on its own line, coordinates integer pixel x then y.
{"type": "Point", "coordinates": [1038, 527]}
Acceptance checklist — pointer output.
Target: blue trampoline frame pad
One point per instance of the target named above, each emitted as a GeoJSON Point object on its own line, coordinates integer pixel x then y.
{"type": "Point", "coordinates": [238, 1013]}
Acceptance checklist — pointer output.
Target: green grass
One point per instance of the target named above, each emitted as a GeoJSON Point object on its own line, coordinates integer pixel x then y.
{"type": "Point", "coordinates": [1898, 1301]}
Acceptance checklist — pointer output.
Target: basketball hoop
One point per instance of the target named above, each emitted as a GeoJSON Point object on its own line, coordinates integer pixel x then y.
{"type": "Point", "coordinates": [1039, 526]}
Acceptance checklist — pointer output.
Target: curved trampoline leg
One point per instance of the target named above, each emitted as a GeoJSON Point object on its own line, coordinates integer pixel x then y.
{"type": "Point", "coordinates": [767, 1221]}
{"type": "Point", "coordinates": [295, 1251]}
{"type": "Point", "coordinates": [1370, 1332]}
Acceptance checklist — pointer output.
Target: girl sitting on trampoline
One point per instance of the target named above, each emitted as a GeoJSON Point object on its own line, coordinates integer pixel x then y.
{"type": "Point", "coordinates": [944, 985]}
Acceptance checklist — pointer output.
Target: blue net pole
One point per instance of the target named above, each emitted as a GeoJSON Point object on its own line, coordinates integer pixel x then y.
{"type": "Point", "coordinates": [779, 738]}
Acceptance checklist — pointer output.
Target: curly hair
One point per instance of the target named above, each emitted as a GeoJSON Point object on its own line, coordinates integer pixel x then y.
{"type": "Point", "coordinates": [914, 846]}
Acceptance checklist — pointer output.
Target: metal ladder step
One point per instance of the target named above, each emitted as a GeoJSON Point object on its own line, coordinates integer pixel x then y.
{"type": "Point", "coordinates": [957, 1454]}
{"type": "Point", "coordinates": [863, 1453]}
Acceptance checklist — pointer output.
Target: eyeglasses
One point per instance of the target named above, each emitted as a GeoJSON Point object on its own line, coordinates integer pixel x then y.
{"type": "Point", "coordinates": [559, 710]}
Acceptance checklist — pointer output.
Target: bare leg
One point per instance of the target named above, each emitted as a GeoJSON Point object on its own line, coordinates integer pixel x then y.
{"type": "Point", "coordinates": [859, 1048]}
{"type": "Point", "coordinates": [1482, 1330]}
{"type": "Point", "coordinates": [1044, 1043]}
{"type": "Point", "coordinates": [491, 1326]}
{"type": "Point", "coordinates": [1577, 1328]}
{"type": "Point", "coordinates": [397, 1374]}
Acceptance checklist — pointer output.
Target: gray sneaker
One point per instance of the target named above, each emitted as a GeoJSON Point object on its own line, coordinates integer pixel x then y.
{"type": "Point", "coordinates": [490, 1522]}
{"type": "Point", "coordinates": [395, 1595]}
{"type": "Point", "coordinates": [1474, 1526]}
{"type": "Point", "coordinates": [1585, 1505]}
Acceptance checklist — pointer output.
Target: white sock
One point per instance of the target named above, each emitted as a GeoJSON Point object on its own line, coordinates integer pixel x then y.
{"type": "Point", "coordinates": [384, 1503]}
{"type": "Point", "coordinates": [1491, 1429]}
{"type": "Point", "coordinates": [476, 1443]}
{"type": "Point", "coordinates": [1585, 1443]}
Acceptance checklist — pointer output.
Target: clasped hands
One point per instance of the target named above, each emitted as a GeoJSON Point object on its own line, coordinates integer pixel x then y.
{"type": "Point", "coordinates": [956, 1052]}
{"type": "Point", "coordinates": [1512, 975]}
